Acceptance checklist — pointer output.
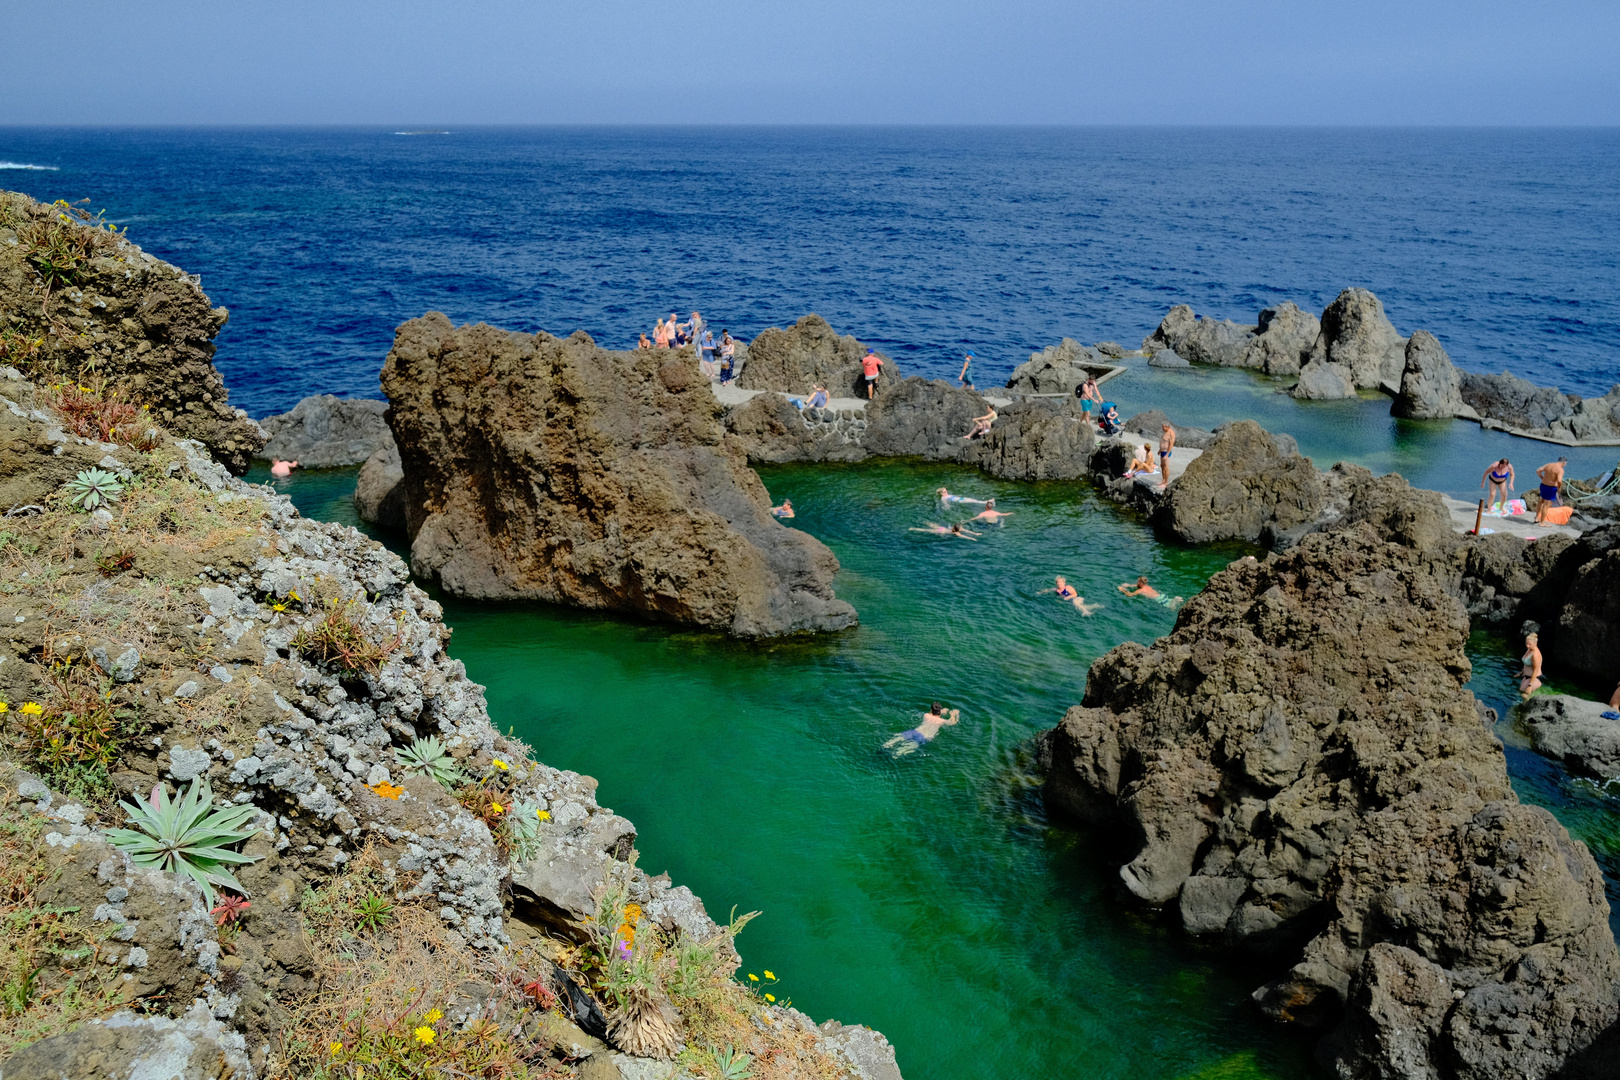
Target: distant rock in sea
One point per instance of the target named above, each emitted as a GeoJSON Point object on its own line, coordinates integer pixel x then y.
{"type": "Point", "coordinates": [323, 432]}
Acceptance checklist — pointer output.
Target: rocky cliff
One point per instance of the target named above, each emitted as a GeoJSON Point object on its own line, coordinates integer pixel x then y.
{"type": "Point", "coordinates": [1299, 768]}
{"type": "Point", "coordinates": [553, 470]}
{"type": "Point", "coordinates": [807, 353]}
{"type": "Point", "coordinates": [81, 303]}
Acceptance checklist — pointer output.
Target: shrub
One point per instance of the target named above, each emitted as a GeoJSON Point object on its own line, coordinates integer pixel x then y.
{"type": "Point", "coordinates": [75, 738]}
{"type": "Point", "coordinates": [187, 836]}
{"type": "Point", "coordinates": [428, 757]}
{"type": "Point", "coordinates": [94, 414]}
{"type": "Point", "coordinates": [93, 487]}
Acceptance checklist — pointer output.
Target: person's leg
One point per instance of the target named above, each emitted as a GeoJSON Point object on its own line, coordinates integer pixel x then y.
{"type": "Point", "coordinates": [1614, 700]}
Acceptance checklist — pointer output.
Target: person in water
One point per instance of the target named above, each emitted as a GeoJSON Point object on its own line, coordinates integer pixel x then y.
{"type": "Point", "coordinates": [1500, 478]}
{"type": "Point", "coordinates": [1530, 673]}
{"type": "Point", "coordinates": [941, 530]}
{"type": "Point", "coordinates": [1145, 590]}
{"type": "Point", "coordinates": [1167, 445]}
{"type": "Point", "coordinates": [282, 469]}
{"type": "Point", "coordinates": [783, 511]}
{"type": "Point", "coordinates": [947, 500]}
{"type": "Point", "coordinates": [937, 717]}
{"type": "Point", "coordinates": [990, 515]}
{"type": "Point", "coordinates": [1552, 476]}
{"type": "Point", "coordinates": [1065, 591]}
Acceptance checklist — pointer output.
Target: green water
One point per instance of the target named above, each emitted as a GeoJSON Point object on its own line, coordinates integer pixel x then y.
{"type": "Point", "coordinates": [931, 897]}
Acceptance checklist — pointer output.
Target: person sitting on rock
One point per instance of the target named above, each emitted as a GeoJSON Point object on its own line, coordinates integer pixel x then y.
{"type": "Point", "coordinates": [981, 424]}
{"type": "Point", "coordinates": [1145, 590]}
{"type": "Point", "coordinates": [937, 717]}
{"type": "Point", "coordinates": [643, 343]}
{"type": "Point", "coordinates": [1530, 673]}
{"type": "Point", "coordinates": [818, 398]}
{"type": "Point", "coordinates": [990, 515]}
{"type": "Point", "coordinates": [282, 469]}
{"type": "Point", "coordinates": [1141, 464]}
{"type": "Point", "coordinates": [783, 511]}
{"type": "Point", "coordinates": [1065, 591]}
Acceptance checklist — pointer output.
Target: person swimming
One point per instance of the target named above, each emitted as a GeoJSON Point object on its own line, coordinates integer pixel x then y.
{"type": "Point", "coordinates": [947, 500]}
{"type": "Point", "coordinates": [990, 515]}
{"type": "Point", "coordinates": [1143, 589]}
{"type": "Point", "coordinates": [937, 717]}
{"type": "Point", "coordinates": [783, 511]}
{"type": "Point", "coordinates": [1065, 591]}
{"type": "Point", "coordinates": [282, 469]}
{"type": "Point", "coordinates": [942, 530]}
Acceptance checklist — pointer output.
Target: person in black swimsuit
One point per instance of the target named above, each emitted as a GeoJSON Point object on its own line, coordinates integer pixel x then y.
{"type": "Point", "coordinates": [1500, 478]}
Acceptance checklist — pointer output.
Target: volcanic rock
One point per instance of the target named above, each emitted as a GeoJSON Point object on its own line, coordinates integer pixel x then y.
{"type": "Point", "coordinates": [1358, 337]}
{"type": "Point", "coordinates": [1593, 420]}
{"type": "Point", "coordinates": [1037, 439]}
{"type": "Point", "coordinates": [1056, 369]}
{"type": "Point", "coordinates": [1168, 358]}
{"type": "Point", "coordinates": [379, 491]}
{"type": "Point", "coordinates": [1431, 387]}
{"type": "Point", "coordinates": [1240, 488]}
{"type": "Point", "coordinates": [809, 352]}
{"type": "Point", "coordinates": [323, 432]}
{"type": "Point", "coordinates": [1211, 341]}
{"type": "Point", "coordinates": [554, 470]}
{"type": "Point", "coordinates": [1573, 730]}
{"type": "Point", "coordinates": [1177, 323]}
{"type": "Point", "coordinates": [1322, 381]}
{"type": "Point", "coordinates": [1282, 340]}
{"type": "Point", "coordinates": [1300, 760]}
{"type": "Point", "coordinates": [1149, 424]}
{"type": "Point", "coordinates": [1513, 401]}
{"type": "Point", "coordinates": [923, 418]}
{"type": "Point", "coordinates": [1587, 637]}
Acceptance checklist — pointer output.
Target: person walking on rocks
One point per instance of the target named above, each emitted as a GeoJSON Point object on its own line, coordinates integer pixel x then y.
{"type": "Point", "coordinates": [964, 379]}
{"type": "Point", "coordinates": [870, 364]}
{"type": "Point", "coordinates": [1552, 477]}
{"type": "Point", "coordinates": [1500, 478]}
{"type": "Point", "coordinates": [1088, 394]}
{"type": "Point", "coordinates": [706, 353]}
{"type": "Point", "coordinates": [1167, 445]}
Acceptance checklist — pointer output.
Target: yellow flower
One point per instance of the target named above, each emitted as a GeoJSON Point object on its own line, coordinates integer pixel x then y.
{"type": "Point", "coordinates": [752, 977]}
{"type": "Point", "coordinates": [770, 976]}
{"type": "Point", "coordinates": [771, 998]}
{"type": "Point", "coordinates": [501, 765]}
{"type": "Point", "coordinates": [4, 707]}
{"type": "Point", "coordinates": [542, 815]}
{"type": "Point", "coordinates": [425, 1035]}
{"type": "Point", "coordinates": [433, 1016]}
{"type": "Point", "coordinates": [32, 708]}
{"type": "Point", "coordinates": [294, 595]}
{"type": "Point", "coordinates": [496, 808]}
{"type": "Point", "coordinates": [387, 790]}
{"type": "Point", "coordinates": [278, 607]}
{"type": "Point", "coordinates": [336, 1048]}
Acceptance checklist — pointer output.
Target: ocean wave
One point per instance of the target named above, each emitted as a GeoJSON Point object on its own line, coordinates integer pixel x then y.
{"type": "Point", "coordinates": [421, 133]}
{"type": "Point", "coordinates": [23, 165]}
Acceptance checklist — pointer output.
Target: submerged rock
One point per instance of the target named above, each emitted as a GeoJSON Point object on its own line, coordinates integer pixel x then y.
{"type": "Point", "coordinates": [548, 469]}
{"type": "Point", "coordinates": [1431, 387]}
{"type": "Point", "coordinates": [324, 431]}
{"type": "Point", "coordinates": [1300, 763]}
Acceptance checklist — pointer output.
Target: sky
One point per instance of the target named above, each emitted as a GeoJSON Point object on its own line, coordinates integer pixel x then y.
{"type": "Point", "coordinates": [440, 63]}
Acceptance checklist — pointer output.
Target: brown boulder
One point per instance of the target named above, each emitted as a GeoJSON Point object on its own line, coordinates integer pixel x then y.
{"type": "Point", "coordinates": [1243, 486]}
{"type": "Point", "coordinates": [807, 353]}
{"type": "Point", "coordinates": [554, 470]}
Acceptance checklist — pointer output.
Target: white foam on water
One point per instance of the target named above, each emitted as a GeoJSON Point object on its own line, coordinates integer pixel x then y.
{"type": "Point", "coordinates": [22, 165]}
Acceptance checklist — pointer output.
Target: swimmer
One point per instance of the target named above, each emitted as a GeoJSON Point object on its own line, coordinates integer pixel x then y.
{"type": "Point", "coordinates": [907, 741]}
{"type": "Point", "coordinates": [1143, 589]}
{"type": "Point", "coordinates": [282, 469]}
{"type": "Point", "coordinates": [990, 515]}
{"type": "Point", "coordinates": [1530, 674]}
{"type": "Point", "coordinates": [1065, 591]}
{"type": "Point", "coordinates": [941, 530]}
{"type": "Point", "coordinates": [783, 511]}
{"type": "Point", "coordinates": [947, 500]}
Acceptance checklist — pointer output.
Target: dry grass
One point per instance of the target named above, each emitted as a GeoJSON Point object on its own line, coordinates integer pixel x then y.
{"type": "Point", "coordinates": [49, 978]}
{"type": "Point", "coordinates": [340, 643]}
{"type": "Point", "coordinates": [94, 412]}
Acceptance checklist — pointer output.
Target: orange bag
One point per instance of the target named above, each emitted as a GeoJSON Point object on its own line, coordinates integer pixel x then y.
{"type": "Point", "coordinates": [1559, 515]}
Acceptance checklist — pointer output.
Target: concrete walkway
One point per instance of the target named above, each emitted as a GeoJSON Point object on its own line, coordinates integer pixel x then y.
{"type": "Point", "coordinates": [732, 394]}
{"type": "Point", "coordinates": [1520, 525]}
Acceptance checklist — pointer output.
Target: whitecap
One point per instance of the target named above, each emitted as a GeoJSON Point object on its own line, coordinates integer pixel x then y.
{"type": "Point", "coordinates": [23, 165]}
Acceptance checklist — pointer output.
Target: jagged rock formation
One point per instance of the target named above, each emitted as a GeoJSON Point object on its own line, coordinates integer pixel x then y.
{"type": "Point", "coordinates": [809, 352]}
{"type": "Point", "coordinates": [1573, 730]}
{"type": "Point", "coordinates": [1037, 439]}
{"type": "Point", "coordinates": [1057, 369]}
{"type": "Point", "coordinates": [1358, 338]}
{"type": "Point", "coordinates": [1513, 401]}
{"type": "Point", "coordinates": [108, 309]}
{"type": "Point", "coordinates": [1242, 487]}
{"type": "Point", "coordinates": [379, 491]}
{"type": "Point", "coordinates": [322, 432]}
{"type": "Point", "coordinates": [1282, 338]}
{"type": "Point", "coordinates": [1322, 381]}
{"type": "Point", "coordinates": [554, 470]}
{"type": "Point", "coordinates": [1431, 388]}
{"type": "Point", "coordinates": [1300, 762]}
{"type": "Point", "coordinates": [1200, 341]}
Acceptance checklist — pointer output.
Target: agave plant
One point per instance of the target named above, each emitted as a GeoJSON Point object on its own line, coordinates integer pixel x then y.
{"type": "Point", "coordinates": [93, 487]}
{"type": "Point", "coordinates": [428, 757]}
{"type": "Point", "coordinates": [187, 836]}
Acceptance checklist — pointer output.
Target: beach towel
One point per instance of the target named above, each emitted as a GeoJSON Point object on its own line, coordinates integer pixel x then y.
{"type": "Point", "coordinates": [1559, 515]}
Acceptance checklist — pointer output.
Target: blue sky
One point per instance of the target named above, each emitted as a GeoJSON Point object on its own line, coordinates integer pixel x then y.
{"type": "Point", "coordinates": [789, 61]}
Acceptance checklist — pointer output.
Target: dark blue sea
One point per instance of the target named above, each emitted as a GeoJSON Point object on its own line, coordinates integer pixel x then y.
{"type": "Point", "coordinates": [924, 241]}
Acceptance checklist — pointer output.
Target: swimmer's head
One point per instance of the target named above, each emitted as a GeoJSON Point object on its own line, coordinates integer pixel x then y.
{"type": "Point", "coordinates": [937, 708]}
{"type": "Point", "coordinates": [990, 504]}
{"type": "Point", "coordinates": [944, 491]}
{"type": "Point", "coordinates": [1059, 579]}
{"type": "Point", "coordinates": [1531, 639]}
{"type": "Point", "coordinates": [1142, 580]}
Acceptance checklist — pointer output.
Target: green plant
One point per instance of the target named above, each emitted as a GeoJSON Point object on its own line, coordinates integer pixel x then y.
{"type": "Point", "coordinates": [340, 642]}
{"type": "Point", "coordinates": [428, 757]}
{"type": "Point", "coordinates": [92, 487]}
{"type": "Point", "coordinates": [372, 913]}
{"type": "Point", "coordinates": [187, 836]}
{"type": "Point", "coordinates": [75, 739]}
{"type": "Point", "coordinates": [523, 827]}
{"type": "Point", "coordinates": [732, 1064]}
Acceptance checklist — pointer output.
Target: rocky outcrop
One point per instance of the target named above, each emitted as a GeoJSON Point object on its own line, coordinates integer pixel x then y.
{"type": "Point", "coordinates": [921, 418]}
{"type": "Point", "coordinates": [1168, 359]}
{"type": "Point", "coordinates": [554, 470]}
{"type": "Point", "coordinates": [1299, 767]}
{"type": "Point", "coordinates": [379, 491]}
{"type": "Point", "coordinates": [1322, 381]}
{"type": "Point", "coordinates": [1150, 425]}
{"type": "Point", "coordinates": [1201, 341]}
{"type": "Point", "coordinates": [1431, 387]}
{"type": "Point", "coordinates": [195, 1047]}
{"type": "Point", "coordinates": [809, 352]}
{"type": "Point", "coordinates": [1242, 487]}
{"type": "Point", "coordinates": [1177, 323]}
{"type": "Point", "coordinates": [1282, 340]}
{"type": "Point", "coordinates": [1038, 439]}
{"type": "Point", "coordinates": [1587, 637]}
{"type": "Point", "coordinates": [1358, 338]}
{"type": "Point", "coordinates": [1057, 369]}
{"type": "Point", "coordinates": [80, 300]}
{"type": "Point", "coordinates": [1513, 401]}
{"type": "Point", "coordinates": [324, 432]}
{"type": "Point", "coordinates": [1593, 420]}
{"type": "Point", "coordinates": [1573, 730]}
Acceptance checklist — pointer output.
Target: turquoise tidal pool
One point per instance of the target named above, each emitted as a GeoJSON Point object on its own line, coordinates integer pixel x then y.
{"type": "Point", "coordinates": [931, 896]}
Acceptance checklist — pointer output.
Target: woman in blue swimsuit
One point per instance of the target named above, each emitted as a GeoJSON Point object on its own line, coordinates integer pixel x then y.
{"type": "Point", "coordinates": [1500, 478]}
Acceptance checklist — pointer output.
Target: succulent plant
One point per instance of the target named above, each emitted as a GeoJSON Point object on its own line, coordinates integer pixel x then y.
{"type": "Point", "coordinates": [92, 488]}
{"type": "Point", "coordinates": [428, 757]}
{"type": "Point", "coordinates": [524, 823]}
{"type": "Point", "coordinates": [187, 836]}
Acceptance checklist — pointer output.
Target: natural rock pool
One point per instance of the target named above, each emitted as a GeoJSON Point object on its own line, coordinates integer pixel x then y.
{"type": "Point", "coordinates": [932, 897]}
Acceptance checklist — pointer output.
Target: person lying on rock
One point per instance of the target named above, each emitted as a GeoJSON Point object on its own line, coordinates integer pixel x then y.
{"type": "Point", "coordinates": [783, 511]}
{"type": "Point", "coordinates": [941, 530]}
{"type": "Point", "coordinates": [937, 717]}
{"type": "Point", "coordinates": [947, 500]}
{"type": "Point", "coordinates": [1141, 464]}
{"type": "Point", "coordinates": [1145, 590]}
{"type": "Point", "coordinates": [1552, 475]}
{"type": "Point", "coordinates": [1530, 673]}
{"type": "Point", "coordinates": [1167, 445]}
{"type": "Point", "coordinates": [990, 515]}
{"type": "Point", "coordinates": [281, 468]}
{"type": "Point", "coordinates": [1065, 591]}
{"type": "Point", "coordinates": [981, 424]}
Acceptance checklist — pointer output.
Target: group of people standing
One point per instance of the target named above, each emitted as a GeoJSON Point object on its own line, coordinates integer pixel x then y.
{"type": "Point", "coordinates": [715, 358]}
{"type": "Point", "coordinates": [1550, 511]}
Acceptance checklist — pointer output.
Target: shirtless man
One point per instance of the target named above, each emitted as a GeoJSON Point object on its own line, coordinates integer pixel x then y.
{"type": "Point", "coordinates": [282, 469]}
{"type": "Point", "coordinates": [1167, 444]}
{"type": "Point", "coordinates": [1144, 589]}
{"type": "Point", "coordinates": [783, 511]}
{"type": "Point", "coordinates": [1500, 478]}
{"type": "Point", "coordinates": [1065, 591]}
{"type": "Point", "coordinates": [1088, 394]}
{"type": "Point", "coordinates": [1552, 476]}
{"type": "Point", "coordinates": [937, 717]}
{"type": "Point", "coordinates": [990, 515]}
{"type": "Point", "coordinates": [947, 500]}
{"type": "Point", "coordinates": [941, 530]}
